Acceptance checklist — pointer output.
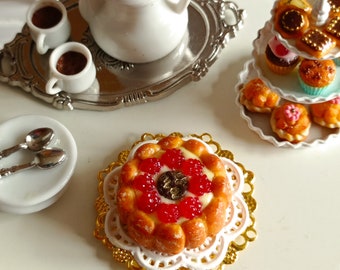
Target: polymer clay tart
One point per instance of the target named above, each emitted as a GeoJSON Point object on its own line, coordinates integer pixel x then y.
{"type": "Point", "coordinates": [256, 96]}
{"type": "Point", "coordinates": [316, 43]}
{"type": "Point", "coordinates": [300, 4]}
{"type": "Point", "coordinates": [335, 6]}
{"type": "Point", "coordinates": [173, 194]}
{"type": "Point", "coordinates": [332, 28]}
{"type": "Point", "coordinates": [327, 114]}
{"type": "Point", "coordinates": [279, 59]}
{"type": "Point", "coordinates": [291, 122]}
{"type": "Point", "coordinates": [290, 21]}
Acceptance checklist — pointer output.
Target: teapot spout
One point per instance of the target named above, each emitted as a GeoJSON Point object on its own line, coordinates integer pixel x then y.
{"type": "Point", "coordinates": [178, 6]}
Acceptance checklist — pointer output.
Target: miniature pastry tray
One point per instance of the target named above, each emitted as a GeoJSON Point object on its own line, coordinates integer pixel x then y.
{"type": "Point", "coordinates": [260, 122]}
{"type": "Point", "coordinates": [288, 86]}
{"type": "Point", "coordinates": [290, 43]}
{"type": "Point", "coordinates": [130, 256]}
{"type": "Point", "coordinates": [211, 25]}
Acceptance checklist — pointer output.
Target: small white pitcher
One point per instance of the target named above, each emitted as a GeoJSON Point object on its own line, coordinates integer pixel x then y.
{"type": "Point", "coordinates": [136, 31]}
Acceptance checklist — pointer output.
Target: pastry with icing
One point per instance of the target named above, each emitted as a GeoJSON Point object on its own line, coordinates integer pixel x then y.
{"type": "Point", "coordinates": [316, 43]}
{"type": "Point", "coordinates": [327, 114]}
{"type": "Point", "coordinates": [279, 59]}
{"type": "Point", "coordinates": [332, 28]}
{"type": "Point", "coordinates": [290, 21]}
{"type": "Point", "coordinates": [335, 6]}
{"type": "Point", "coordinates": [256, 96]}
{"type": "Point", "coordinates": [173, 193]}
{"type": "Point", "coordinates": [300, 4]}
{"type": "Point", "coordinates": [316, 76]}
{"type": "Point", "coordinates": [291, 122]}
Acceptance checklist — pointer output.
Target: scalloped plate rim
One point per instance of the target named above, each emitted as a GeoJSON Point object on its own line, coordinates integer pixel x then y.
{"type": "Point", "coordinates": [258, 130]}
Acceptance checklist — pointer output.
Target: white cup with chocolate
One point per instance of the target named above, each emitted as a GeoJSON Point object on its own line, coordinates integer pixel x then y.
{"type": "Point", "coordinates": [71, 69]}
{"type": "Point", "coordinates": [48, 23]}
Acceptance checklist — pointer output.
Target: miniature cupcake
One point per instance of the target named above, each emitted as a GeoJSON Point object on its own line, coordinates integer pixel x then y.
{"type": "Point", "coordinates": [327, 114]}
{"type": "Point", "coordinates": [291, 122]}
{"type": "Point", "coordinates": [279, 59]}
{"type": "Point", "coordinates": [256, 96]}
{"type": "Point", "coordinates": [337, 61]}
{"type": "Point", "coordinates": [316, 76]}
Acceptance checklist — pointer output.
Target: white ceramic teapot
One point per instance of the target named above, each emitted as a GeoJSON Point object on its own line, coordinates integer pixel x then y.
{"type": "Point", "coordinates": [136, 31]}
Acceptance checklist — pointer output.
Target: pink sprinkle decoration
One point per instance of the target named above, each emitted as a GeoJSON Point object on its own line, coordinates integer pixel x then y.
{"type": "Point", "coordinates": [292, 113]}
{"type": "Point", "coordinates": [335, 100]}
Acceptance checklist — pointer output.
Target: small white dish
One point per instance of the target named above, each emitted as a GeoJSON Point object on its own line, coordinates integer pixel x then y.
{"type": "Point", "coordinates": [34, 189]}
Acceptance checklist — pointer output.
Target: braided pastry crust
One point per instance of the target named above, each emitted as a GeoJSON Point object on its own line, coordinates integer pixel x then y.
{"type": "Point", "coordinates": [145, 227]}
{"type": "Point", "coordinates": [291, 122]}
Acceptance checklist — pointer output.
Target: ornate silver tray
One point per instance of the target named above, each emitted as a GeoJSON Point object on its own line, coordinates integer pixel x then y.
{"type": "Point", "coordinates": [211, 25]}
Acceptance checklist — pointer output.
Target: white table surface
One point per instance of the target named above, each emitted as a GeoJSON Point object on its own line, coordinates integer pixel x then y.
{"type": "Point", "coordinates": [297, 218]}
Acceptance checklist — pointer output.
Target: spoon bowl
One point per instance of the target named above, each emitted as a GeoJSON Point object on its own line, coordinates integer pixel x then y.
{"type": "Point", "coordinates": [49, 158]}
{"type": "Point", "coordinates": [45, 159]}
{"type": "Point", "coordinates": [35, 141]}
{"type": "Point", "coordinates": [38, 138]}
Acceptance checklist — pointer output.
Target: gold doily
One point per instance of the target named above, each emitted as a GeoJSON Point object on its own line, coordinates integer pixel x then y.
{"type": "Point", "coordinates": [124, 256]}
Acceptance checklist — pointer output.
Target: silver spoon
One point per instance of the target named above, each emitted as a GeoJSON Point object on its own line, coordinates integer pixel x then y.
{"type": "Point", "coordinates": [45, 159]}
{"type": "Point", "coordinates": [35, 141]}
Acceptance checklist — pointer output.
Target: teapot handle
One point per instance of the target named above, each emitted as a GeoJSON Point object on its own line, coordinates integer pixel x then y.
{"type": "Point", "coordinates": [178, 6]}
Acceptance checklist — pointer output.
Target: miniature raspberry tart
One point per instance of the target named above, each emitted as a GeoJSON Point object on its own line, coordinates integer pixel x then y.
{"type": "Point", "coordinates": [256, 96]}
{"type": "Point", "coordinates": [176, 203]}
{"type": "Point", "coordinates": [327, 114]}
{"type": "Point", "coordinates": [291, 122]}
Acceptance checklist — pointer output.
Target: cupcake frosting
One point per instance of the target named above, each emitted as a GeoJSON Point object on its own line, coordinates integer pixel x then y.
{"type": "Point", "coordinates": [280, 51]}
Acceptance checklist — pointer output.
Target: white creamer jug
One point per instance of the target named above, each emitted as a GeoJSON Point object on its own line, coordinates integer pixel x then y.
{"type": "Point", "coordinates": [136, 31]}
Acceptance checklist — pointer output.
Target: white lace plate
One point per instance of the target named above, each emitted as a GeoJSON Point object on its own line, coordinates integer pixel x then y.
{"type": "Point", "coordinates": [208, 256]}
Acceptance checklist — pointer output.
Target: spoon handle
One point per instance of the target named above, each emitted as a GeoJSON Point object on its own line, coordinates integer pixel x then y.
{"type": "Point", "coordinates": [8, 171]}
{"type": "Point", "coordinates": [11, 150]}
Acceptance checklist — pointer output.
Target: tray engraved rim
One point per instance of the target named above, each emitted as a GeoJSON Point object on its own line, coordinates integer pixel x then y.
{"type": "Point", "coordinates": [213, 24]}
{"type": "Point", "coordinates": [124, 256]}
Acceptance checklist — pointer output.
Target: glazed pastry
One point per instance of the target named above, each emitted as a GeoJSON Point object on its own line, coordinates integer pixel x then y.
{"type": "Point", "coordinates": [173, 194]}
{"type": "Point", "coordinates": [335, 6]}
{"type": "Point", "coordinates": [290, 22]}
{"type": "Point", "coordinates": [291, 122]}
{"type": "Point", "coordinates": [300, 4]}
{"type": "Point", "coordinates": [327, 114]}
{"type": "Point", "coordinates": [316, 43]}
{"type": "Point", "coordinates": [333, 29]}
{"type": "Point", "coordinates": [279, 59]}
{"type": "Point", "coordinates": [256, 96]}
{"type": "Point", "coordinates": [316, 76]}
